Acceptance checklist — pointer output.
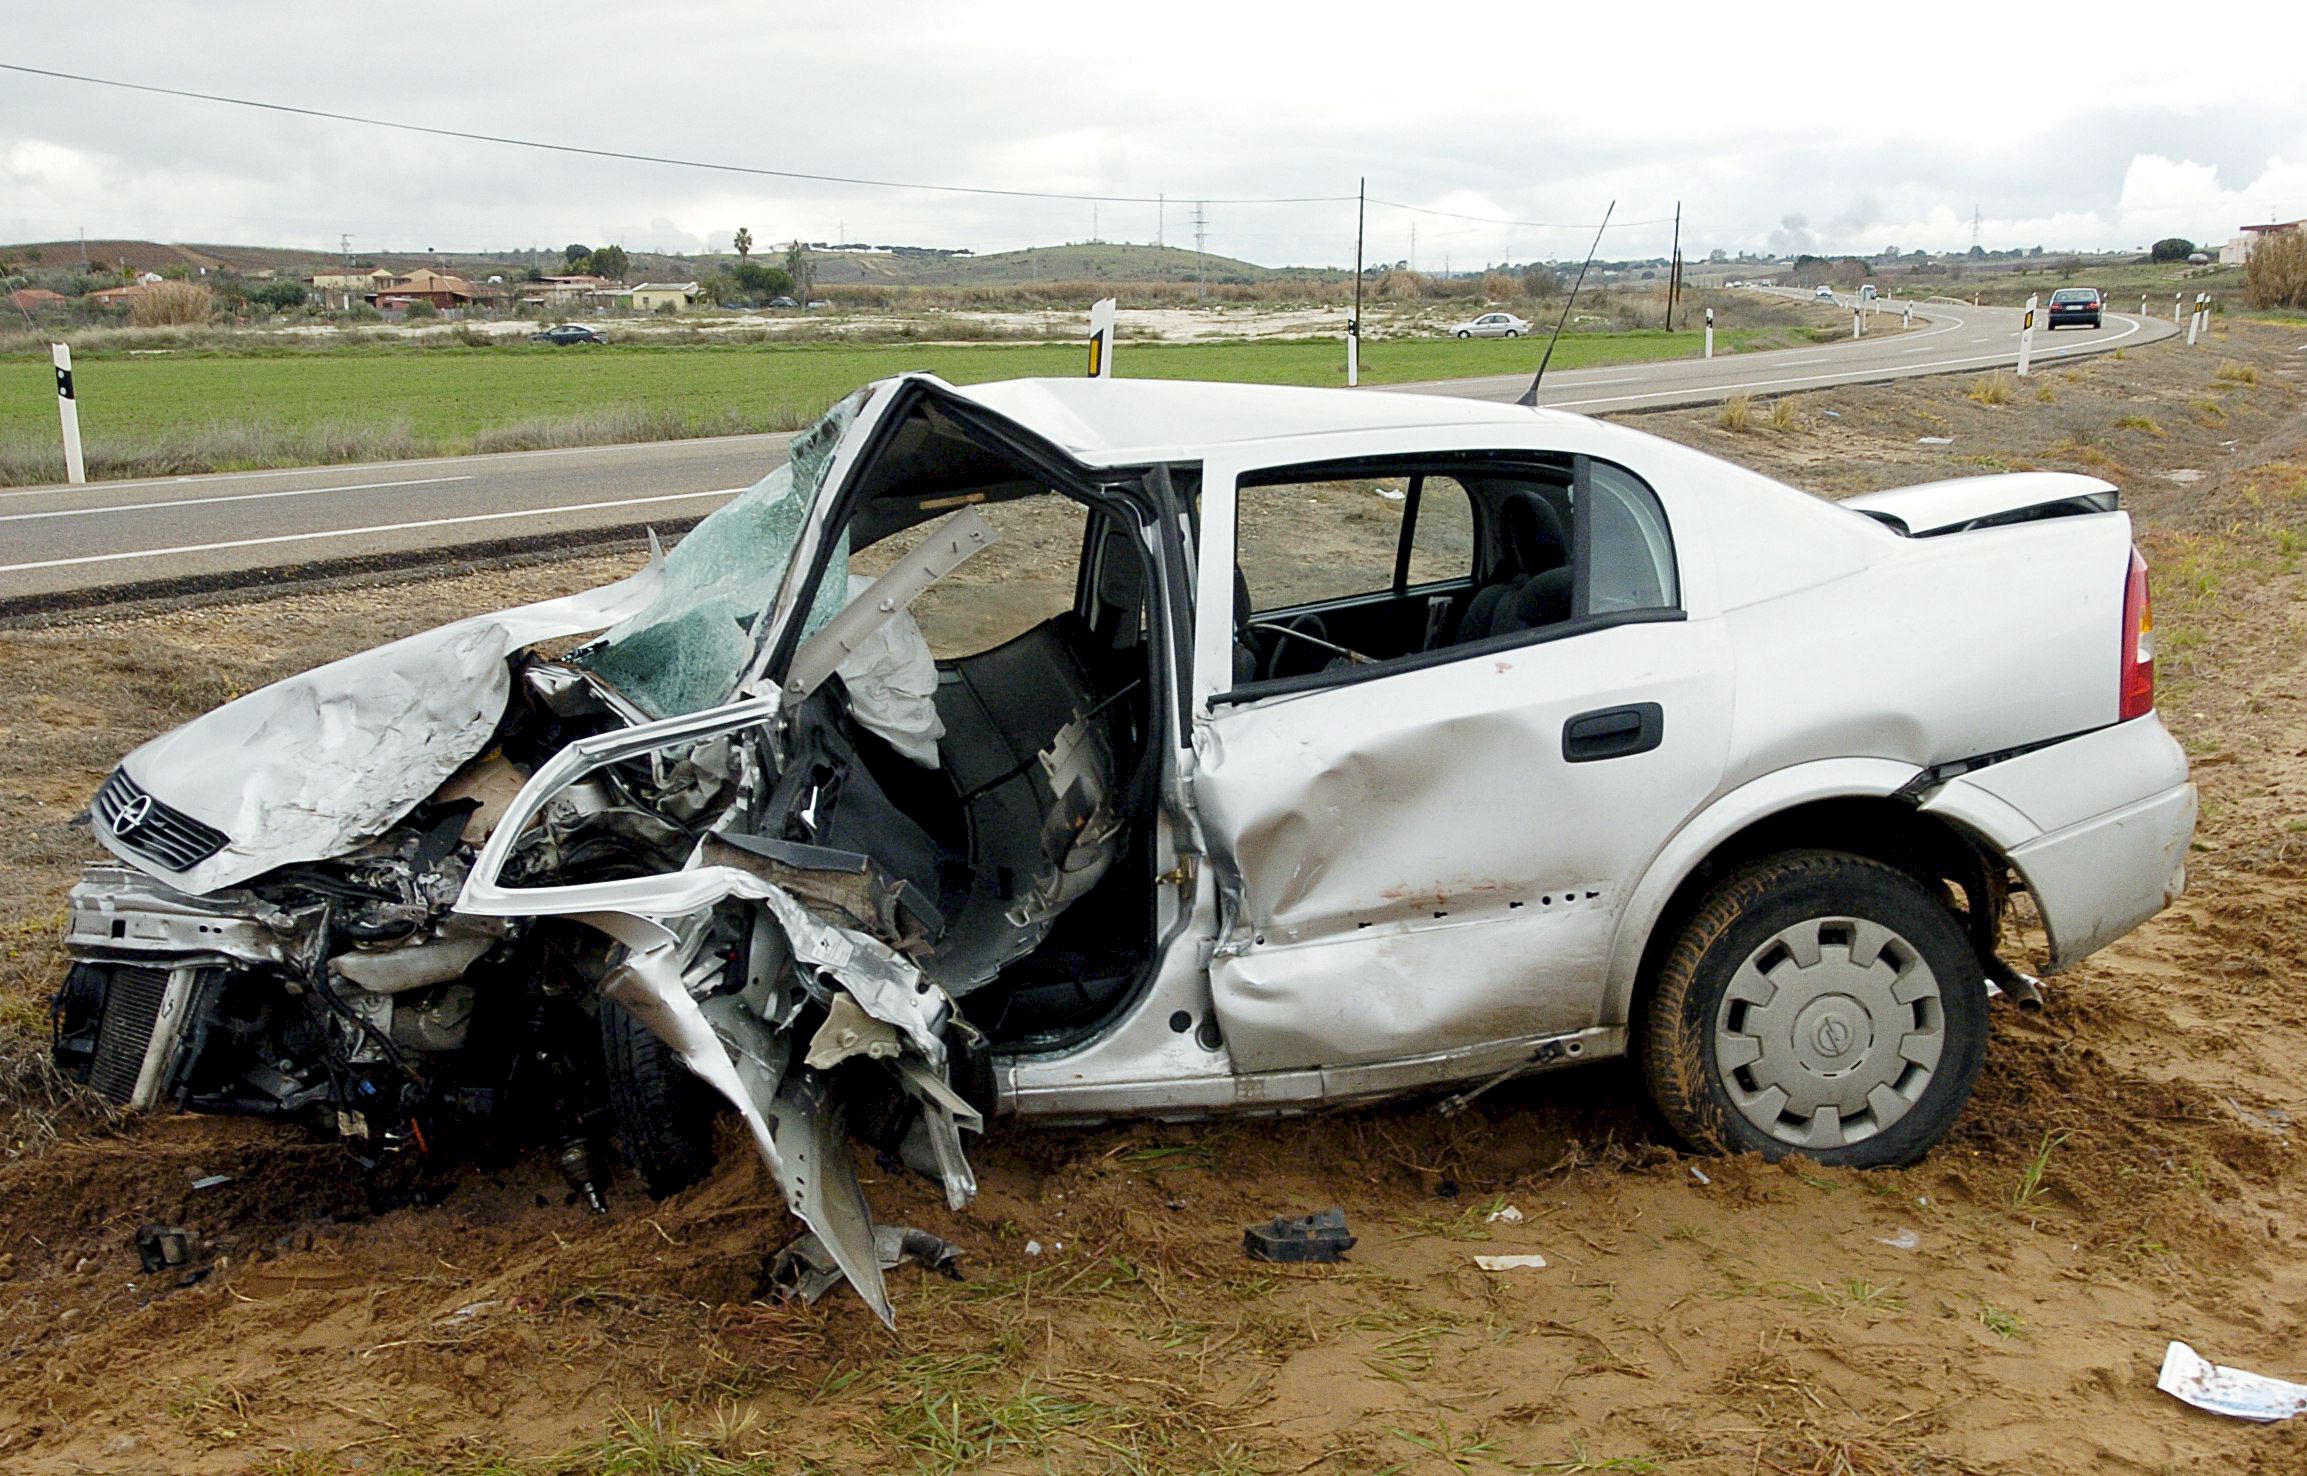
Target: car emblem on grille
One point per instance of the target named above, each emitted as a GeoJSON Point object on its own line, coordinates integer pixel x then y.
{"type": "Point", "coordinates": [132, 815]}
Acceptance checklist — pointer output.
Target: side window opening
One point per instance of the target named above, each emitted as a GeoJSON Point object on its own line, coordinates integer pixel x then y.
{"type": "Point", "coordinates": [1343, 568]}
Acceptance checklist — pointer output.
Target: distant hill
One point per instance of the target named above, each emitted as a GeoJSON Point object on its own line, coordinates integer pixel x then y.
{"type": "Point", "coordinates": [1090, 261]}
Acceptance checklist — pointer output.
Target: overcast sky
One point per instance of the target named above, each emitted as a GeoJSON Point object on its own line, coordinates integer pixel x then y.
{"type": "Point", "coordinates": [2105, 126]}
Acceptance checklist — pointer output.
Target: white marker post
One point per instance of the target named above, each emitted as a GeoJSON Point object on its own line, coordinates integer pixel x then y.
{"type": "Point", "coordinates": [2142, 304]}
{"type": "Point", "coordinates": [2176, 297]}
{"type": "Point", "coordinates": [1101, 338]}
{"type": "Point", "coordinates": [1353, 352]}
{"type": "Point", "coordinates": [68, 408]}
{"type": "Point", "coordinates": [2195, 320]}
{"type": "Point", "coordinates": [1857, 322]}
{"type": "Point", "coordinates": [1710, 333]}
{"type": "Point", "coordinates": [1906, 316]}
{"type": "Point", "coordinates": [2026, 337]}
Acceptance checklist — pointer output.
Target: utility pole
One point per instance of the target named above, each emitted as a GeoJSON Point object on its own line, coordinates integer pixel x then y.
{"type": "Point", "coordinates": [1354, 324]}
{"type": "Point", "coordinates": [344, 245]}
{"type": "Point", "coordinates": [1161, 211]}
{"type": "Point", "coordinates": [1093, 225]}
{"type": "Point", "coordinates": [1413, 248]}
{"type": "Point", "coordinates": [1975, 218]}
{"type": "Point", "coordinates": [1201, 239]}
{"type": "Point", "coordinates": [1674, 268]}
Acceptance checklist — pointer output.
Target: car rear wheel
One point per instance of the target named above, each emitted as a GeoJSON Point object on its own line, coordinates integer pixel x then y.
{"type": "Point", "coordinates": [1513, 333]}
{"type": "Point", "coordinates": [1821, 1004]}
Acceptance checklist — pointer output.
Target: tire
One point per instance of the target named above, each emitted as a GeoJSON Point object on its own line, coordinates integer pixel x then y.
{"type": "Point", "coordinates": [1738, 1015]}
{"type": "Point", "coordinates": [1513, 333]}
{"type": "Point", "coordinates": [1462, 333]}
{"type": "Point", "coordinates": [663, 1114]}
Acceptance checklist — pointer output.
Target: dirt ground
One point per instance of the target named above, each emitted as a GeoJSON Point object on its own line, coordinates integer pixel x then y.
{"type": "Point", "coordinates": [2124, 1176]}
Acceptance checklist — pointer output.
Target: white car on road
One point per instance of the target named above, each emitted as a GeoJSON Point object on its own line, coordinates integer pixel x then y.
{"type": "Point", "coordinates": [1822, 293]}
{"type": "Point", "coordinates": [1288, 747]}
{"type": "Point", "coordinates": [1489, 325]}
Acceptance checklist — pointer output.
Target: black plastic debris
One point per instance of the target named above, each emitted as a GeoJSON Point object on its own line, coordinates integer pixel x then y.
{"type": "Point", "coordinates": [806, 1269]}
{"type": "Point", "coordinates": [1320, 1236]}
{"type": "Point", "coordinates": [164, 1248]}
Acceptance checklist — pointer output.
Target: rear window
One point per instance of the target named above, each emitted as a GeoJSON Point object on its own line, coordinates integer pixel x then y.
{"type": "Point", "coordinates": [2074, 294]}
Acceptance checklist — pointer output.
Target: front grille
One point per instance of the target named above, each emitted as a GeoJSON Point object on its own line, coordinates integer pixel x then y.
{"type": "Point", "coordinates": [131, 1009]}
{"type": "Point", "coordinates": [165, 836]}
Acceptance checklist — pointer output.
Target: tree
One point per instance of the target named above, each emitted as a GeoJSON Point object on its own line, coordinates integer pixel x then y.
{"type": "Point", "coordinates": [279, 295]}
{"type": "Point", "coordinates": [743, 243]}
{"type": "Point", "coordinates": [2172, 248]}
{"type": "Point", "coordinates": [1540, 280]}
{"type": "Point", "coordinates": [756, 280]}
{"type": "Point", "coordinates": [575, 252]}
{"type": "Point", "coordinates": [797, 267]}
{"type": "Point", "coordinates": [610, 262]}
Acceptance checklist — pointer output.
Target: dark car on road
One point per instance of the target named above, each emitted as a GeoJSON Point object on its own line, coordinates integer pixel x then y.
{"type": "Point", "coordinates": [2075, 305]}
{"type": "Point", "coordinates": [569, 333]}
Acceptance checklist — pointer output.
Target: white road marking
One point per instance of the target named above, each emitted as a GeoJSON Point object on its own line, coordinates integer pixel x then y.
{"type": "Point", "coordinates": [125, 507]}
{"type": "Point", "coordinates": [528, 512]}
{"type": "Point", "coordinates": [1814, 380]}
{"type": "Point", "coordinates": [467, 460]}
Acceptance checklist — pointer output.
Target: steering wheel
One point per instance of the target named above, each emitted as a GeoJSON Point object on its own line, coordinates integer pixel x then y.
{"type": "Point", "coordinates": [1310, 629]}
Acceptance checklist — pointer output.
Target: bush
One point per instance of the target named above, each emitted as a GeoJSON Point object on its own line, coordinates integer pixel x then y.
{"type": "Point", "coordinates": [166, 303]}
{"type": "Point", "coordinates": [420, 309]}
{"type": "Point", "coordinates": [2276, 275]}
{"type": "Point", "coordinates": [1992, 389]}
{"type": "Point", "coordinates": [1736, 413]}
{"type": "Point", "coordinates": [2172, 248]}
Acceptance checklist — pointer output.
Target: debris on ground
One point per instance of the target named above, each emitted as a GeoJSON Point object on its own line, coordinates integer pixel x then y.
{"type": "Point", "coordinates": [1320, 1236]}
{"type": "Point", "coordinates": [806, 1269]}
{"type": "Point", "coordinates": [1504, 1214]}
{"type": "Point", "coordinates": [2191, 1378]}
{"type": "Point", "coordinates": [1532, 1262]}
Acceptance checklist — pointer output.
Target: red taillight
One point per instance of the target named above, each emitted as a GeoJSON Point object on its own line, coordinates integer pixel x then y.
{"type": "Point", "coordinates": [2138, 643]}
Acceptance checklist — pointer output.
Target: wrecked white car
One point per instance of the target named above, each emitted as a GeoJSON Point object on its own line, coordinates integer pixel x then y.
{"type": "Point", "coordinates": [1305, 746]}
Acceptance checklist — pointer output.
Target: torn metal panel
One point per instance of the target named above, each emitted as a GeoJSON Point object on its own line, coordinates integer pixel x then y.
{"type": "Point", "coordinates": [820, 1182]}
{"type": "Point", "coordinates": [314, 765]}
{"type": "Point", "coordinates": [806, 1269]}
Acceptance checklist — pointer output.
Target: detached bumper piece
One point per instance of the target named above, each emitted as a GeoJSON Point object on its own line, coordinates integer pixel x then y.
{"type": "Point", "coordinates": [167, 837]}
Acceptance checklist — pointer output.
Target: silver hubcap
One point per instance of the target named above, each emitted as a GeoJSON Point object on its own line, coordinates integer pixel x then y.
{"type": "Point", "coordinates": [1830, 1032]}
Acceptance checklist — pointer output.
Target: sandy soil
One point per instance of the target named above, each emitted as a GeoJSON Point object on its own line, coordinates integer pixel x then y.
{"type": "Point", "coordinates": [2125, 1175]}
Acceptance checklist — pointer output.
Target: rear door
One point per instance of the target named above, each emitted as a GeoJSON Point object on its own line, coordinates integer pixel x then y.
{"type": "Point", "coordinates": [1428, 853]}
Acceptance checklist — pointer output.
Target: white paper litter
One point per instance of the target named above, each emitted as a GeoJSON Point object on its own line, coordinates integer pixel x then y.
{"type": "Point", "coordinates": [1900, 1239]}
{"type": "Point", "coordinates": [2192, 1379]}
{"type": "Point", "coordinates": [1934, 440]}
{"type": "Point", "coordinates": [1504, 1214]}
{"type": "Point", "coordinates": [1511, 1263]}
{"type": "Point", "coordinates": [1699, 1174]}
{"type": "Point", "coordinates": [1033, 1247]}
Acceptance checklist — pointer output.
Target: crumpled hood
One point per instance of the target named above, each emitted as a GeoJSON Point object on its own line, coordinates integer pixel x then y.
{"type": "Point", "coordinates": [313, 766]}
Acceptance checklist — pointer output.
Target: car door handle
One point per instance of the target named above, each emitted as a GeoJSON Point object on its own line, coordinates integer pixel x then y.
{"type": "Point", "coordinates": [1613, 732]}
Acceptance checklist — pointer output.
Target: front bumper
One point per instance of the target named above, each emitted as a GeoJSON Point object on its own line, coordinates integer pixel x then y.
{"type": "Point", "coordinates": [2097, 826]}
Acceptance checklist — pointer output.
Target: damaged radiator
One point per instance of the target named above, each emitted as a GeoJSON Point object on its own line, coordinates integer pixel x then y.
{"type": "Point", "coordinates": [131, 1010]}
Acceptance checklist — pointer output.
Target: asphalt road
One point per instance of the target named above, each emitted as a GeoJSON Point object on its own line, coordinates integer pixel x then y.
{"type": "Point", "coordinates": [63, 542]}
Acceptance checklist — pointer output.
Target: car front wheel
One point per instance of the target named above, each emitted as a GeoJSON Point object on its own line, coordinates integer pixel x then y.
{"type": "Point", "coordinates": [1462, 333]}
{"type": "Point", "coordinates": [1821, 1004]}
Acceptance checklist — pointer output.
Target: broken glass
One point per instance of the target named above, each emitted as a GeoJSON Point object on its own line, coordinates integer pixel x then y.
{"type": "Point", "coordinates": [687, 650]}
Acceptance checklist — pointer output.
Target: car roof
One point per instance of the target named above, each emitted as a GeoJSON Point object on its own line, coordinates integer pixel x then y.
{"type": "Point", "coordinates": [1123, 422]}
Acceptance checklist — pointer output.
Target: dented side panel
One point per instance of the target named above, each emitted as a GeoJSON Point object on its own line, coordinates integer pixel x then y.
{"type": "Point", "coordinates": [1413, 862]}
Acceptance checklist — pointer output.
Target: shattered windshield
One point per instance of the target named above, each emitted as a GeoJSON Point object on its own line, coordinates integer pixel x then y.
{"type": "Point", "coordinates": [686, 651]}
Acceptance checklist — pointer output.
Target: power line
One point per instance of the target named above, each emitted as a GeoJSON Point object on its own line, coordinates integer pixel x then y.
{"type": "Point", "coordinates": [592, 153]}
{"type": "Point", "coordinates": [1536, 225]}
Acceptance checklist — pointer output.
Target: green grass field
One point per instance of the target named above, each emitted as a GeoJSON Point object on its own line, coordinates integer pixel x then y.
{"type": "Point", "coordinates": [162, 413]}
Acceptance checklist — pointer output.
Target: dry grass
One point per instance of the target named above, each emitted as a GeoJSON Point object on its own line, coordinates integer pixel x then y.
{"type": "Point", "coordinates": [1735, 413]}
{"type": "Point", "coordinates": [165, 304]}
{"type": "Point", "coordinates": [1782, 414]}
{"type": "Point", "coordinates": [2276, 275]}
{"type": "Point", "coordinates": [2139, 423]}
{"type": "Point", "coordinates": [1997, 388]}
{"type": "Point", "coordinates": [2235, 371]}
